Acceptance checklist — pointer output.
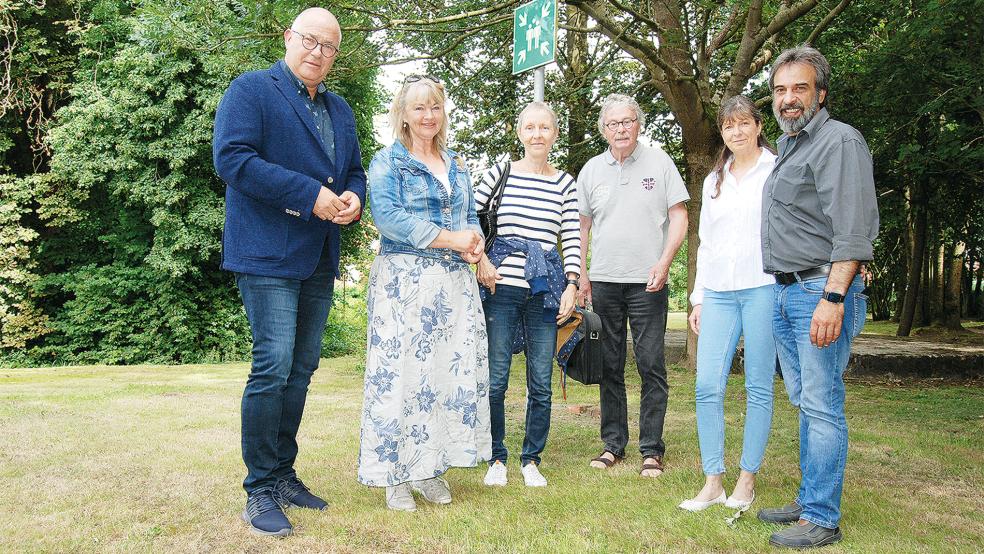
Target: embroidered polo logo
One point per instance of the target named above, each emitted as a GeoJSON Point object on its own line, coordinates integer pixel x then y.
{"type": "Point", "coordinates": [648, 183]}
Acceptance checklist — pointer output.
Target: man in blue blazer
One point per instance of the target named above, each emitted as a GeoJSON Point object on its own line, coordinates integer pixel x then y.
{"type": "Point", "coordinates": [288, 153]}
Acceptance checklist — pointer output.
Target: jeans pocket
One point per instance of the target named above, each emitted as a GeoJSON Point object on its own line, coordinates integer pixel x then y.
{"type": "Point", "coordinates": [860, 313]}
{"type": "Point", "coordinates": [813, 286]}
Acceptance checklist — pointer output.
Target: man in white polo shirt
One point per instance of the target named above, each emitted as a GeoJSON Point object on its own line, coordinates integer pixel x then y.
{"type": "Point", "coordinates": [632, 202]}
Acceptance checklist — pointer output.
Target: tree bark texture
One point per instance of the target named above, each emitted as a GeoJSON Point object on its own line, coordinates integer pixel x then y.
{"type": "Point", "coordinates": [917, 234]}
{"type": "Point", "coordinates": [954, 282]}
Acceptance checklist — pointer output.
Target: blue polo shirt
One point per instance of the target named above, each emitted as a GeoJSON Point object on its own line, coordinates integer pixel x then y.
{"type": "Point", "coordinates": [318, 109]}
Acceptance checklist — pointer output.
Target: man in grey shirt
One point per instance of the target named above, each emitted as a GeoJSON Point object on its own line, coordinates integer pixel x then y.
{"type": "Point", "coordinates": [632, 201]}
{"type": "Point", "coordinates": [819, 218]}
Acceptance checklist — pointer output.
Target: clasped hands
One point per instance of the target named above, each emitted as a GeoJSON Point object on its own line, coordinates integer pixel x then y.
{"type": "Point", "coordinates": [340, 210]}
{"type": "Point", "coordinates": [469, 243]}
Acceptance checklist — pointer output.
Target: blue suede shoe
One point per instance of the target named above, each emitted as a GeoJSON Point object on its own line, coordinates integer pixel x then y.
{"type": "Point", "coordinates": [265, 516]}
{"type": "Point", "coordinates": [292, 493]}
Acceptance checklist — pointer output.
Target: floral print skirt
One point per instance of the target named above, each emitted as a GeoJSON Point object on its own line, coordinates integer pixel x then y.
{"type": "Point", "coordinates": [427, 372]}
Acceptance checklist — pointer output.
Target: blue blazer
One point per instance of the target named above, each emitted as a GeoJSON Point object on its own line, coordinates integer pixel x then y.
{"type": "Point", "coordinates": [271, 157]}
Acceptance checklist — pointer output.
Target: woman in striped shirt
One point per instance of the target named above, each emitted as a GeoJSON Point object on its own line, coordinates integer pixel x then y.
{"type": "Point", "coordinates": [529, 286]}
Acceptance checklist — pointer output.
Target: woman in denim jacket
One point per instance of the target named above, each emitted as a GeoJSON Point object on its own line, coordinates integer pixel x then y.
{"type": "Point", "coordinates": [427, 378]}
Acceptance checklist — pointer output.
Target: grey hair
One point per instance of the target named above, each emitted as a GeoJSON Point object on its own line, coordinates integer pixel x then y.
{"type": "Point", "coordinates": [536, 105]}
{"type": "Point", "coordinates": [807, 55]}
{"type": "Point", "coordinates": [613, 101]}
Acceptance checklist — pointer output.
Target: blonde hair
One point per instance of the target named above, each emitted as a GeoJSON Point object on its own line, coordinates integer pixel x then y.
{"type": "Point", "coordinates": [431, 91]}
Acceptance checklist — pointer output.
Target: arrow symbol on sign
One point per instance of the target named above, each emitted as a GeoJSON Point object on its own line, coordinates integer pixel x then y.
{"type": "Point", "coordinates": [544, 47]}
{"type": "Point", "coordinates": [522, 56]}
{"type": "Point", "coordinates": [522, 20]}
{"type": "Point", "coordinates": [545, 11]}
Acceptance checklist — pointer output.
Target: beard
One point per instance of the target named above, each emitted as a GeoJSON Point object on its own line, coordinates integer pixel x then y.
{"type": "Point", "coordinates": [796, 124]}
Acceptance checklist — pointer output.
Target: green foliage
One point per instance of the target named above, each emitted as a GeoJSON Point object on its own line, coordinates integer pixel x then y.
{"type": "Point", "coordinates": [129, 218]}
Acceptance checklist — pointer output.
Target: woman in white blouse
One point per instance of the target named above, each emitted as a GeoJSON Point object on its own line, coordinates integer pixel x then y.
{"type": "Point", "coordinates": [732, 298]}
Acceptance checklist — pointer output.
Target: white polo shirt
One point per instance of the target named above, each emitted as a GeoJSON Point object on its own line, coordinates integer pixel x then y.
{"type": "Point", "coordinates": [628, 204]}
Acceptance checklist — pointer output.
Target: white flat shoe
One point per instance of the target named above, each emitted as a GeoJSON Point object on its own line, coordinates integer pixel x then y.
{"type": "Point", "coordinates": [739, 504]}
{"type": "Point", "coordinates": [692, 505]}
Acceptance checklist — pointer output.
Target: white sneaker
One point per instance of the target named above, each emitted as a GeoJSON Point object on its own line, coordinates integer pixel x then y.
{"type": "Point", "coordinates": [496, 475]}
{"type": "Point", "coordinates": [434, 490]}
{"type": "Point", "coordinates": [693, 505]}
{"type": "Point", "coordinates": [400, 498]}
{"type": "Point", "coordinates": [532, 476]}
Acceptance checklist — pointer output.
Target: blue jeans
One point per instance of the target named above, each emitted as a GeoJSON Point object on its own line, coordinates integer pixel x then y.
{"type": "Point", "coordinates": [645, 312]}
{"type": "Point", "coordinates": [287, 319]}
{"type": "Point", "coordinates": [508, 308]}
{"type": "Point", "coordinates": [724, 318]}
{"type": "Point", "coordinates": [814, 379]}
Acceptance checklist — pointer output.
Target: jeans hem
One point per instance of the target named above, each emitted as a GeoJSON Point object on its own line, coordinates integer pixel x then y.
{"type": "Point", "coordinates": [817, 521]}
{"type": "Point", "coordinates": [752, 471]}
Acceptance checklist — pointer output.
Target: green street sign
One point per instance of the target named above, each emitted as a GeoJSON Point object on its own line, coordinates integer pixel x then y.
{"type": "Point", "coordinates": [534, 34]}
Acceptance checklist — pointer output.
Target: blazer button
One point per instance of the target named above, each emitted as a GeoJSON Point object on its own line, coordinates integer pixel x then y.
{"type": "Point", "coordinates": [331, 180]}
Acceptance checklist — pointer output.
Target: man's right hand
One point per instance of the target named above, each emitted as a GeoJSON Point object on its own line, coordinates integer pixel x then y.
{"type": "Point", "coordinates": [584, 292]}
{"type": "Point", "coordinates": [328, 204]}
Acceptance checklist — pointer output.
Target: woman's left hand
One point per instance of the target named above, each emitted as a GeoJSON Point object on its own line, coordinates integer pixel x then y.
{"type": "Point", "coordinates": [567, 301]}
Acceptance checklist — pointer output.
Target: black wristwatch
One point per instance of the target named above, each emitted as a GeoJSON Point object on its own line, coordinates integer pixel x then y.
{"type": "Point", "coordinates": [575, 282]}
{"type": "Point", "coordinates": [833, 297]}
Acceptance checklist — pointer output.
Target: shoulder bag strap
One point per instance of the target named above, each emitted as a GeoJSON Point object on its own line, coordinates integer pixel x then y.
{"type": "Point", "coordinates": [500, 186]}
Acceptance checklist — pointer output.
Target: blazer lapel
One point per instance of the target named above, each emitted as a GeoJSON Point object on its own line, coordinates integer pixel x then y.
{"type": "Point", "coordinates": [293, 97]}
{"type": "Point", "coordinates": [341, 134]}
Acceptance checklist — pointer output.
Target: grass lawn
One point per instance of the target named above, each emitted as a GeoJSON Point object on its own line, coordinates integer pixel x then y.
{"type": "Point", "coordinates": [104, 459]}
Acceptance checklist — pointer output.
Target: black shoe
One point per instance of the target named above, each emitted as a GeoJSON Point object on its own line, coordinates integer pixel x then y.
{"type": "Point", "coordinates": [789, 513]}
{"type": "Point", "coordinates": [292, 493]}
{"type": "Point", "coordinates": [806, 536]}
{"type": "Point", "coordinates": [265, 516]}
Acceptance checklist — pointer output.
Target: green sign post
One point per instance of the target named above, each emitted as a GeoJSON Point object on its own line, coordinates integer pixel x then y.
{"type": "Point", "coordinates": [534, 34]}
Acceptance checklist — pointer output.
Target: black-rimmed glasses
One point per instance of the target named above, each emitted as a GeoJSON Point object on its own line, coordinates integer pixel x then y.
{"type": "Point", "coordinates": [626, 123]}
{"type": "Point", "coordinates": [328, 49]}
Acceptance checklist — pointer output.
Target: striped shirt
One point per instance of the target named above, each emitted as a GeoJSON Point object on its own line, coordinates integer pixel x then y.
{"type": "Point", "coordinates": [534, 207]}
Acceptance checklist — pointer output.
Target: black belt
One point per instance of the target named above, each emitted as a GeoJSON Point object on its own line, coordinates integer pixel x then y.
{"type": "Point", "coordinates": [794, 276]}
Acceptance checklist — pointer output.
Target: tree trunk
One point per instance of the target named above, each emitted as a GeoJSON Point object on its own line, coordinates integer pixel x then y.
{"type": "Point", "coordinates": [951, 299]}
{"type": "Point", "coordinates": [917, 234]}
{"type": "Point", "coordinates": [699, 152]}
{"type": "Point", "coordinates": [939, 284]}
{"type": "Point", "coordinates": [579, 103]}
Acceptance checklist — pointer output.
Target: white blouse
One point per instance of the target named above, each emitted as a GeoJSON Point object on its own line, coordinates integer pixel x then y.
{"type": "Point", "coordinates": [730, 253]}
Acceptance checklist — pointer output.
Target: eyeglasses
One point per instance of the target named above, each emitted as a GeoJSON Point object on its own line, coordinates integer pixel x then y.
{"type": "Point", "coordinates": [626, 123]}
{"type": "Point", "coordinates": [309, 43]}
{"type": "Point", "coordinates": [414, 78]}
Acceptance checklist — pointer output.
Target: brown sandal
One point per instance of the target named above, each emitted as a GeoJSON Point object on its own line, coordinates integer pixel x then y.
{"type": "Point", "coordinates": [608, 463]}
{"type": "Point", "coordinates": [658, 465]}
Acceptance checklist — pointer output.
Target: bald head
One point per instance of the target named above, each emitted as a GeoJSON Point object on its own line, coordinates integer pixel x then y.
{"type": "Point", "coordinates": [320, 17]}
{"type": "Point", "coordinates": [312, 42]}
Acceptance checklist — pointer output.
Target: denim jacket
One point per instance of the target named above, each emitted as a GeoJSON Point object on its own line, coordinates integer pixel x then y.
{"type": "Point", "coordinates": [410, 206]}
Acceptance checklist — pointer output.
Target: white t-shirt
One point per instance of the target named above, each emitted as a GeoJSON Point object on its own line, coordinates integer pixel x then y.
{"type": "Point", "coordinates": [628, 204]}
{"type": "Point", "coordinates": [730, 253]}
{"type": "Point", "coordinates": [445, 180]}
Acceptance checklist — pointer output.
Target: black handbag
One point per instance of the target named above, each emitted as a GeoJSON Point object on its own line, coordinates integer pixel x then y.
{"type": "Point", "coordinates": [587, 362]}
{"type": "Point", "coordinates": [487, 216]}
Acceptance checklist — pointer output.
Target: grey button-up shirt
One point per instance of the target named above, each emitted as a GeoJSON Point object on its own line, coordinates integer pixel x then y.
{"type": "Point", "coordinates": [818, 205]}
{"type": "Point", "coordinates": [322, 120]}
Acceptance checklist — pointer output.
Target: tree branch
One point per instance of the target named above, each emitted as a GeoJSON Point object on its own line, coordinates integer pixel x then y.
{"type": "Point", "coordinates": [831, 15]}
